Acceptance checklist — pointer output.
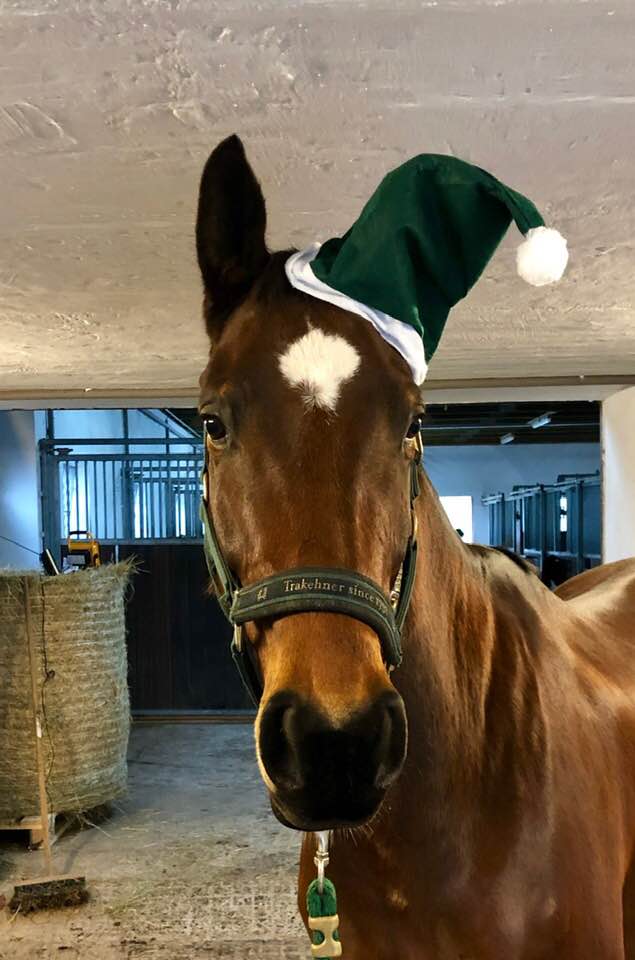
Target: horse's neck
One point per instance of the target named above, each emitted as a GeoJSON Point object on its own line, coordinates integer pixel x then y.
{"type": "Point", "coordinates": [467, 663]}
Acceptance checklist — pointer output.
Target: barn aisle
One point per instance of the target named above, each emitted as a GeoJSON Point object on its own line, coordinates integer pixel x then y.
{"type": "Point", "coordinates": [191, 864]}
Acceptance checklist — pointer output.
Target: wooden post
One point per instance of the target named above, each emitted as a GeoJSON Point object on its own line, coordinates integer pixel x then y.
{"type": "Point", "coordinates": [37, 727]}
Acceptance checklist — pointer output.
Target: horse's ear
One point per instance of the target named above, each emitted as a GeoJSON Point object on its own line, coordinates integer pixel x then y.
{"type": "Point", "coordinates": [230, 231]}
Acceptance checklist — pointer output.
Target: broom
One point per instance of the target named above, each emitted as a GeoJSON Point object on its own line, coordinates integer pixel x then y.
{"type": "Point", "coordinates": [50, 890]}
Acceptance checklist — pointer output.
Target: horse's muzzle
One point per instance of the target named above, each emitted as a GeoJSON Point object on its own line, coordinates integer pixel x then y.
{"type": "Point", "coordinates": [326, 776]}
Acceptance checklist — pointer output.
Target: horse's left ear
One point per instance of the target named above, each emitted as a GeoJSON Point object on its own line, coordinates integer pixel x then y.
{"type": "Point", "coordinates": [230, 231]}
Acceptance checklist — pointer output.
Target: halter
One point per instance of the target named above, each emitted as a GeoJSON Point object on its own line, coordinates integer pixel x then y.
{"type": "Point", "coordinates": [311, 589]}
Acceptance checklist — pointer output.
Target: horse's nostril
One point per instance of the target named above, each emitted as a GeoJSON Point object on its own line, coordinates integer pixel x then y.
{"type": "Point", "coordinates": [391, 742]}
{"type": "Point", "coordinates": [278, 742]}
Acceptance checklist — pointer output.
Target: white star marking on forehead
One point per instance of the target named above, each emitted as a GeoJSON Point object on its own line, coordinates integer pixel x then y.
{"type": "Point", "coordinates": [319, 363]}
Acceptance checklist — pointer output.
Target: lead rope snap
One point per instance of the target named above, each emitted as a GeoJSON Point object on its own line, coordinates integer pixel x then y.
{"type": "Point", "coordinates": [321, 902]}
{"type": "Point", "coordinates": [321, 858]}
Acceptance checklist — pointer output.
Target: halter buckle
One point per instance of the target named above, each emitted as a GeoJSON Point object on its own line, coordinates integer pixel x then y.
{"type": "Point", "coordinates": [395, 593]}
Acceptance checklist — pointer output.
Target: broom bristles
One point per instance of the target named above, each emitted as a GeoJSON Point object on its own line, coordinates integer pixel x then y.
{"type": "Point", "coordinates": [48, 893]}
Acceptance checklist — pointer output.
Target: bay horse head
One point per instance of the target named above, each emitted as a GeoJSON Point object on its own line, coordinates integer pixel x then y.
{"type": "Point", "coordinates": [311, 431]}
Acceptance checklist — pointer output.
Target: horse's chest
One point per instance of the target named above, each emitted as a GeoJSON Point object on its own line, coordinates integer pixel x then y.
{"type": "Point", "coordinates": [402, 915]}
{"type": "Point", "coordinates": [419, 935]}
{"type": "Point", "coordinates": [406, 934]}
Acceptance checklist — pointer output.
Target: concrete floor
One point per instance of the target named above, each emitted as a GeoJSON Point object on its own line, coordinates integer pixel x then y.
{"type": "Point", "coordinates": [191, 864]}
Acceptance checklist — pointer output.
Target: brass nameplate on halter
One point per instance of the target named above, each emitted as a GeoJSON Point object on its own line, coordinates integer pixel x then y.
{"type": "Point", "coordinates": [329, 946]}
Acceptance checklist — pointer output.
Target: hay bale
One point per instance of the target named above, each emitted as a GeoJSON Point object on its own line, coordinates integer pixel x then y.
{"type": "Point", "coordinates": [78, 624]}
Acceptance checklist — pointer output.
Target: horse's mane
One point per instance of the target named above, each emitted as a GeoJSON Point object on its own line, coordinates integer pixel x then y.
{"type": "Point", "coordinates": [525, 565]}
{"type": "Point", "coordinates": [521, 562]}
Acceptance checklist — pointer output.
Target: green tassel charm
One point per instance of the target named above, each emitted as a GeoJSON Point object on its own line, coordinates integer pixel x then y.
{"type": "Point", "coordinates": [323, 920]}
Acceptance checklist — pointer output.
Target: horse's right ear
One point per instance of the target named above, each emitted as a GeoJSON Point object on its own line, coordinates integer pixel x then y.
{"type": "Point", "coordinates": [230, 231]}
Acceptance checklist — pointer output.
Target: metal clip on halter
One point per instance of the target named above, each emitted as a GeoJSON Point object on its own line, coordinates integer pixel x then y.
{"type": "Point", "coordinates": [321, 858]}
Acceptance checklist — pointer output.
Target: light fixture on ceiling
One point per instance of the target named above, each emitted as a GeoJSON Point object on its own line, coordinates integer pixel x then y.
{"type": "Point", "coordinates": [507, 438]}
{"type": "Point", "coordinates": [540, 421]}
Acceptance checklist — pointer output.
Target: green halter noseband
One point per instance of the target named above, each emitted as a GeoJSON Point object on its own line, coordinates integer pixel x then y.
{"type": "Point", "coordinates": [311, 589]}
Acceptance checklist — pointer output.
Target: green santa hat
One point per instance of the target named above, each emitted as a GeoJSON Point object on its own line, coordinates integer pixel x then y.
{"type": "Point", "coordinates": [419, 245]}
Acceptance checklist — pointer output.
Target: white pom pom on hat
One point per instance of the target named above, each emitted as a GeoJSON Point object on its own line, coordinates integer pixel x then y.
{"type": "Point", "coordinates": [542, 256]}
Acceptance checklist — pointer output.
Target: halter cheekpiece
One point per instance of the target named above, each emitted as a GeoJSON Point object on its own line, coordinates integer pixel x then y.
{"type": "Point", "coordinates": [311, 589]}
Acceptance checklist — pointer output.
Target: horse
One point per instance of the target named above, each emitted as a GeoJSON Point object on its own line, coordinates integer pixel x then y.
{"type": "Point", "coordinates": [481, 796]}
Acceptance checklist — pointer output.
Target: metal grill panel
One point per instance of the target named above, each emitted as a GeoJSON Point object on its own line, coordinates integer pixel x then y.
{"type": "Point", "coordinates": [122, 497]}
{"type": "Point", "coordinates": [561, 521]}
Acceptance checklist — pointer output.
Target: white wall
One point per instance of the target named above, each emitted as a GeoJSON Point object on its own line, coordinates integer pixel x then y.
{"type": "Point", "coordinates": [153, 424]}
{"type": "Point", "coordinates": [109, 424]}
{"type": "Point", "coordinates": [480, 470]}
{"type": "Point", "coordinates": [89, 425]}
{"type": "Point", "coordinates": [19, 501]}
{"type": "Point", "coordinates": [86, 424]}
{"type": "Point", "coordinates": [618, 473]}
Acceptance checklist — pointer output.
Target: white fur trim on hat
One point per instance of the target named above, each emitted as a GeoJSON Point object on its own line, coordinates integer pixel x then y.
{"type": "Point", "coordinates": [399, 335]}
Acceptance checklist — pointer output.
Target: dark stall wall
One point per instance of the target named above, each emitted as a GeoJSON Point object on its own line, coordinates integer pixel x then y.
{"type": "Point", "coordinates": [178, 640]}
{"type": "Point", "coordinates": [20, 542]}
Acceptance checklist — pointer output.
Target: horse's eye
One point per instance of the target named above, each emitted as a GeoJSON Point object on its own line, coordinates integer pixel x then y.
{"type": "Point", "coordinates": [215, 428]}
{"type": "Point", "coordinates": [415, 427]}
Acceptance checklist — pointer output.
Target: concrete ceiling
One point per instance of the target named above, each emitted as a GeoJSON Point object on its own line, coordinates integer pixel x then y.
{"type": "Point", "coordinates": [108, 109]}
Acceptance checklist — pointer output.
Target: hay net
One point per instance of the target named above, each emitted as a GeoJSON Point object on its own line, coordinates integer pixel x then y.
{"type": "Point", "coordinates": [78, 631]}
